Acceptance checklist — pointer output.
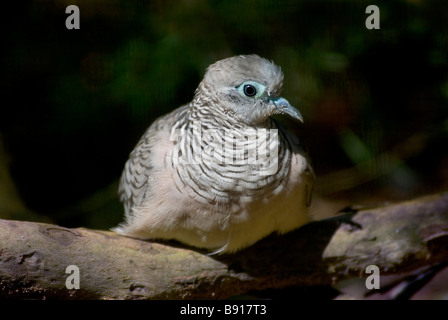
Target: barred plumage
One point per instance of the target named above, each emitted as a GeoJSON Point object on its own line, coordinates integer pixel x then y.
{"type": "Point", "coordinates": [219, 173]}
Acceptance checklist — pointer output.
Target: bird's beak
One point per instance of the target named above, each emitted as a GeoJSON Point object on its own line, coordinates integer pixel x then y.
{"type": "Point", "coordinates": [282, 106]}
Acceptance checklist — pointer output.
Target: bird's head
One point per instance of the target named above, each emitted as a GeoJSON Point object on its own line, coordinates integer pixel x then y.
{"type": "Point", "coordinates": [249, 87]}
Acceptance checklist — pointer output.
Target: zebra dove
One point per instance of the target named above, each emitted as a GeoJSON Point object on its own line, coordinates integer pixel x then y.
{"type": "Point", "coordinates": [219, 173]}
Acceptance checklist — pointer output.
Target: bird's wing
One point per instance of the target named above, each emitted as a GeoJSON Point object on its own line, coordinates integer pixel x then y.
{"type": "Point", "coordinates": [139, 167]}
{"type": "Point", "coordinates": [308, 175]}
{"type": "Point", "coordinates": [308, 178]}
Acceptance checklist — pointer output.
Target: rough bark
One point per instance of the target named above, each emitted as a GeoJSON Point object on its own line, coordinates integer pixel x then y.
{"type": "Point", "coordinates": [398, 238]}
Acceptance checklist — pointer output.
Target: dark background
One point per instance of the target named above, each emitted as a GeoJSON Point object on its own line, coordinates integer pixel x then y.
{"type": "Point", "coordinates": [75, 102]}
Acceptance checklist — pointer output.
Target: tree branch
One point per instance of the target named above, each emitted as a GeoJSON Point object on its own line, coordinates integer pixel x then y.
{"type": "Point", "coordinates": [397, 238]}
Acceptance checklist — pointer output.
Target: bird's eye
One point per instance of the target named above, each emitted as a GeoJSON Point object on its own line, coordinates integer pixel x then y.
{"type": "Point", "coordinates": [249, 90]}
{"type": "Point", "coordinates": [252, 89]}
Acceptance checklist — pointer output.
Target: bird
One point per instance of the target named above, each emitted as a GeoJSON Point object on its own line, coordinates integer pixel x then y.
{"type": "Point", "coordinates": [220, 173]}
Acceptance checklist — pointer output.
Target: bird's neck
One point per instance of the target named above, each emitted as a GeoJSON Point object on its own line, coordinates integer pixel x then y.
{"type": "Point", "coordinates": [213, 114]}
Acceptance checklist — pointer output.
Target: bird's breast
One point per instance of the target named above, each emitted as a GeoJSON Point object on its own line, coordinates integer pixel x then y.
{"type": "Point", "coordinates": [228, 165]}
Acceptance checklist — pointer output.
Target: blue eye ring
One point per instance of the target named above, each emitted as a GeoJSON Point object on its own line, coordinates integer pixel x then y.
{"type": "Point", "coordinates": [249, 90]}
{"type": "Point", "coordinates": [252, 89]}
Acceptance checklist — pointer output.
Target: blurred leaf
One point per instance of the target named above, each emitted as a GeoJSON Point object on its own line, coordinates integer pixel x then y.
{"type": "Point", "coordinates": [354, 147]}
